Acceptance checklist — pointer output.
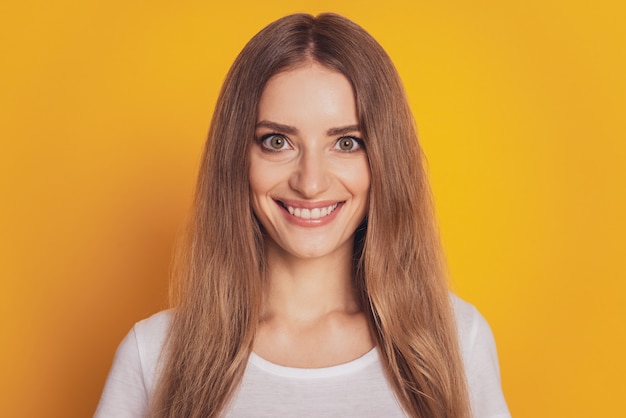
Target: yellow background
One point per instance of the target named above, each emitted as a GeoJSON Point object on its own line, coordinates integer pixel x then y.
{"type": "Point", "coordinates": [520, 107]}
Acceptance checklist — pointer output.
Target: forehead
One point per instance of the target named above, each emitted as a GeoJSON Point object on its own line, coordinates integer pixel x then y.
{"type": "Point", "coordinates": [307, 92]}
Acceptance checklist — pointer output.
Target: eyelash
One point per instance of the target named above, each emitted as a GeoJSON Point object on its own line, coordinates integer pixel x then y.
{"type": "Point", "coordinates": [267, 148]}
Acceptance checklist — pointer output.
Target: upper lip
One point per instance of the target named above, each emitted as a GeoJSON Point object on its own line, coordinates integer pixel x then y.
{"type": "Point", "coordinates": [304, 204]}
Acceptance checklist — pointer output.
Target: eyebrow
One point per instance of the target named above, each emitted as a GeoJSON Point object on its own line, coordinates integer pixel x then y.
{"type": "Point", "coordinates": [342, 130]}
{"type": "Point", "coordinates": [279, 127]}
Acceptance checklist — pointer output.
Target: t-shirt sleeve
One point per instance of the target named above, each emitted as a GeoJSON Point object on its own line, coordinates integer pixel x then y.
{"type": "Point", "coordinates": [482, 369]}
{"type": "Point", "coordinates": [125, 394]}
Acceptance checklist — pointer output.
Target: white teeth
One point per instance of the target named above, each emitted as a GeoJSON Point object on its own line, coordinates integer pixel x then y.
{"type": "Point", "coordinates": [315, 213]}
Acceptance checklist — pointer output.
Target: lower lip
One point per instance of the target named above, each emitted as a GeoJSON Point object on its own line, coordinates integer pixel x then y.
{"type": "Point", "coordinates": [310, 223]}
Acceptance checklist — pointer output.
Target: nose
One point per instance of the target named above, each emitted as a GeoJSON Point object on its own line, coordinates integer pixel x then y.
{"type": "Point", "coordinates": [311, 176]}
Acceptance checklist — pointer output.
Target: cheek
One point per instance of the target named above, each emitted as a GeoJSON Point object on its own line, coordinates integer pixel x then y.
{"type": "Point", "coordinates": [263, 179]}
{"type": "Point", "coordinates": [357, 178]}
{"type": "Point", "coordinates": [364, 180]}
{"type": "Point", "coordinates": [257, 188]}
{"type": "Point", "coordinates": [265, 174]}
{"type": "Point", "coordinates": [255, 182]}
{"type": "Point", "coordinates": [257, 175]}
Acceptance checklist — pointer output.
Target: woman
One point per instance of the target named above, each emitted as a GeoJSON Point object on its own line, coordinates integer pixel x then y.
{"type": "Point", "coordinates": [311, 283]}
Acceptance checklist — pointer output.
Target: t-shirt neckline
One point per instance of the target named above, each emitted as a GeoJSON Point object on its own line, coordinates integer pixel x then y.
{"type": "Point", "coordinates": [313, 373]}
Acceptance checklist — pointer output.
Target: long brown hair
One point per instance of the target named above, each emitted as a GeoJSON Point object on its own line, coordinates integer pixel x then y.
{"type": "Point", "coordinates": [398, 269]}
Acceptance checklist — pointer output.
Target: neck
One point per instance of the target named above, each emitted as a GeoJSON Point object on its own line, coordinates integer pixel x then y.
{"type": "Point", "coordinates": [306, 289]}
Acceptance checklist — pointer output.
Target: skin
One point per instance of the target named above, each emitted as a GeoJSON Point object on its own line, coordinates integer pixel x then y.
{"type": "Point", "coordinates": [308, 160]}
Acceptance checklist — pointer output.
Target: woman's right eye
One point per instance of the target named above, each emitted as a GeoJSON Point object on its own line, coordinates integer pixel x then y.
{"type": "Point", "coordinates": [274, 142]}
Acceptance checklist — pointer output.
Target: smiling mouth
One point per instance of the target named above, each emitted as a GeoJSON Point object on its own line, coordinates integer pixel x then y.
{"type": "Point", "coordinates": [309, 213]}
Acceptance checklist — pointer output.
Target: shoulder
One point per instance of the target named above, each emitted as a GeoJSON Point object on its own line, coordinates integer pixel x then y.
{"type": "Point", "coordinates": [149, 336]}
{"type": "Point", "coordinates": [152, 331]}
{"type": "Point", "coordinates": [145, 340]}
{"type": "Point", "coordinates": [480, 358]}
{"type": "Point", "coordinates": [471, 325]}
{"type": "Point", "coordinates": [466, 314]}
{"type": "Point", "coordinates": [135, 367]}
{"type": "Point", "coordinates": [475, 337]}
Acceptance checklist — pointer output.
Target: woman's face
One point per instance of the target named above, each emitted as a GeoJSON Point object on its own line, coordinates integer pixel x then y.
{"type": "Point", "coordinates": [309, 172]}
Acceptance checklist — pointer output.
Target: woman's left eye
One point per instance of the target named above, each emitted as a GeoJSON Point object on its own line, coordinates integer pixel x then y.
{"type": "Point", "coordinates": [348, 144]}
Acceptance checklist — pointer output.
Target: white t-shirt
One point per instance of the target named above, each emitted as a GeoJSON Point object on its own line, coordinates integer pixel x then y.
{"type": "Point", "coordinates": [358, 388]}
